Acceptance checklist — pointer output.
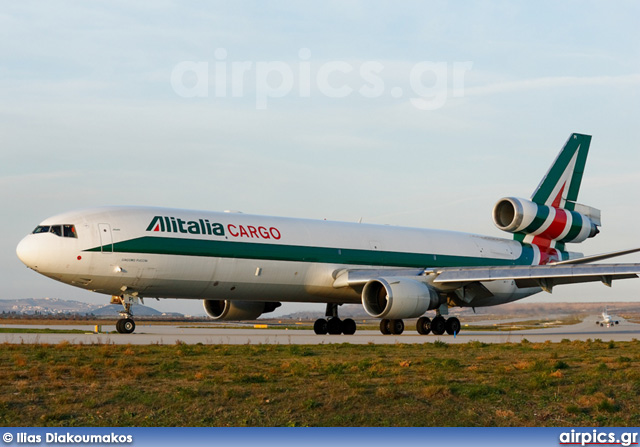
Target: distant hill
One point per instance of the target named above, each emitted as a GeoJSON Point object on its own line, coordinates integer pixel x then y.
{"type": "Point", "coordinates": [57, 306]}
{"type": "Point", "coordinates": [45, 306]}
{"type": "Point", "coordinates": [138, 310]}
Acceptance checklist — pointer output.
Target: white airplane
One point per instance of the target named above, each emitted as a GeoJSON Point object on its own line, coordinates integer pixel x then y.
{"type": "Point", "coordinates": [607, 320]}
{"type": "Point", "coordinates": [242, 266]}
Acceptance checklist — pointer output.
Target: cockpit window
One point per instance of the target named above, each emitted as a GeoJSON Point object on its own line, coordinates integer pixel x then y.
{"type": "Point", "coordinates": [69, 231]}
{"type": "Point", "coordinates": [58, 230]}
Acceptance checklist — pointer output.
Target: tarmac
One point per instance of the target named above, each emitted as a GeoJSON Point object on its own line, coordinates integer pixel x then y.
{"type": "Point", "coordinates": [151, 334]}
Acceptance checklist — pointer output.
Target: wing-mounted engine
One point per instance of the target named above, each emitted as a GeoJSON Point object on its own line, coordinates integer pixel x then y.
{"type": "Point", "coordinates": [226, 310]}
{"type": "Point", "coordinates": [398, 297]}
{"type": "Point", "coordinates": [523, 217]}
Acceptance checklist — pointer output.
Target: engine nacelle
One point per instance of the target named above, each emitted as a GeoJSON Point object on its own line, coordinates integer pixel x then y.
{"type": "Point", "coordinates": [226, 310]}
{"type": "Point", "coordinates": [522, 216]}
{"type": "Point", "coordinates": [398, 298]}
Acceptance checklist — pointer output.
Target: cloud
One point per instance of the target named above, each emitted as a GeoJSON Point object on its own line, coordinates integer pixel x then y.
{"type": "Point", "coordinates": [549, 82]}
{"type": "Point", "coordinates": [8, 180]}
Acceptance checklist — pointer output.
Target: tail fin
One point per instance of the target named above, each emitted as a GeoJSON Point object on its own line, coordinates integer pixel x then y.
{"type": "Point", "coordinates": [560, 186]}
{"type": "Point", "coordinates": [552, 217]}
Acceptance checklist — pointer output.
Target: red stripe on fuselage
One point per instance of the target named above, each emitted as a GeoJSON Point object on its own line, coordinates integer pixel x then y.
{"type": "Point", "coordinates": [542, 243]}
{"type": "Point", "coordinates": [557, 226]}
{"type": "Point", "coordinates": [549, 255]}
{"type": "Point", "coordinates": [556, 202]}
{"type": "Point", "coordinates": [544, 239]}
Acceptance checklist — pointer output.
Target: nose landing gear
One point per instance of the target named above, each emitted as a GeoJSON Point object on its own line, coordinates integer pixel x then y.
{"type": "Point", "coordinates": [125, 325]}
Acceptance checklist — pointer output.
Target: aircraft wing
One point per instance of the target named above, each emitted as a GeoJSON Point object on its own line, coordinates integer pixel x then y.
{"type": "Point", "coordinates": [600, 257]}
{"type": "Point", "coordinates": [543, 276]}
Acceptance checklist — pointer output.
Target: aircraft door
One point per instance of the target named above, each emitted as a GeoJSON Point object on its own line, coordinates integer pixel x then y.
{"type": "Point", "coordinates": [106, 240]}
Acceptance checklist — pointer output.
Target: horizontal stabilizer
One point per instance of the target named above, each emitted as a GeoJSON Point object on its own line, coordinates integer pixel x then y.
{"type": "Point", "coordinates": [594, 215]}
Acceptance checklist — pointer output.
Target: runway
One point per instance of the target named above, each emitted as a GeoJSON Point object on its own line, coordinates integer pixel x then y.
{"type": "Point", "coordinates": [148, 334]}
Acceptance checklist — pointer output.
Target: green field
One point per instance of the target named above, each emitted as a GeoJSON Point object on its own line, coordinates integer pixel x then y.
{"type": "Point", "coordinates": [433, 384]}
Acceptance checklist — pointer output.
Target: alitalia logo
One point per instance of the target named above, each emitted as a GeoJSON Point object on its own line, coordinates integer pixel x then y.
{"type": "Point", "coordinates": [170, 224]}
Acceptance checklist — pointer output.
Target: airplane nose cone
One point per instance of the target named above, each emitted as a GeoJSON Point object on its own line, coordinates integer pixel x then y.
{"type": "Point", "coordinates": [27, 251]}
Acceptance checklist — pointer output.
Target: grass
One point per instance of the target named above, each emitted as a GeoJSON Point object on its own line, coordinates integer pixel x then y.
{"type": "Point", "coordinates": [432, 384]}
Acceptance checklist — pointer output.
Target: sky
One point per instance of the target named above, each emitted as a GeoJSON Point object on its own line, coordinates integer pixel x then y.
{"type": "Point", "coordinates": [419, 114]}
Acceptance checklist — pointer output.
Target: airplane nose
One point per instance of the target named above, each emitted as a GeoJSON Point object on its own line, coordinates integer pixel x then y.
{"type": "Point", "coordinates": [27, 251]}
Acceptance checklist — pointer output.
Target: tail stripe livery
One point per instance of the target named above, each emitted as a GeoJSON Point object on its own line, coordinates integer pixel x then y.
{"type": "Point", "coordinates": [541, 224]}
{"type": "Point", "coordinates": [560, 186]}
{"type": "Point", "coordinates": [549, 219]}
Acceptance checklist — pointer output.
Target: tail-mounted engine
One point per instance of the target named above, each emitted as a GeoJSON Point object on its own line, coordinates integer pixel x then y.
{"type": "Point", "coordinates": [237, 310]}
{"type": "Point", "coordinates": [520, 216]}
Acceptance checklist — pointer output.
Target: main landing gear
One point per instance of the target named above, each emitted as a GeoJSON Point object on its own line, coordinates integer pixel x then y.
{"type": "Point", "coordinates": [334, 325]}
{"type": "Point", "coordinates": [125, 325]}
{"type": "Point", "coordinates": [391, 327]}
{"type": "Point", "coordinates": [439, 325]}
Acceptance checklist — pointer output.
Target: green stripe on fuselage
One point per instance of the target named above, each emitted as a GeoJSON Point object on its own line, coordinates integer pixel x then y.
{"type": "Point", "coordinates": [301, 253]}
{"type": "Point", "coordinates": [576, 226]}
{"type": "Point", "coordinates": [541, 217]}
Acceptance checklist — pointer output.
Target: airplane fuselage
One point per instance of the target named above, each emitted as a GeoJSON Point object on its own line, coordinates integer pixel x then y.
{"type": "Point", "coordinates": [173, 253]}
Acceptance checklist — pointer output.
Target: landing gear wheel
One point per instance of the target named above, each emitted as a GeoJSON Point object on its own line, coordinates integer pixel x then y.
{"type": "Point", "coordinates": [385, 326]}
{"type": "Point", "coordinates": [452, 326]}
{"type": "Point", "coordinates": [128, 326]}
{"type": "Point", "coordinates": [423, 325]}
{"type": "Point", "coordinates": [396, 327]}
{"type": "Point", "coordinates": [125, 326]}
{"type": "Point", "coordinates": [334, 326]}
{"type": "Point", "coordinates": [348, 327]}
{"type": "Point", "coordinates": [438, 325]}
{"type": "Point", "coordinates": [320, 326]}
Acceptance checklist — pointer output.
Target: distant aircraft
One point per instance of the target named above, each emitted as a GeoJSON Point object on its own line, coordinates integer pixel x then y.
{"type": "Point", "coordinates": [607, 320]}
{"type": "Point", "coordinates": [243, 266]}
